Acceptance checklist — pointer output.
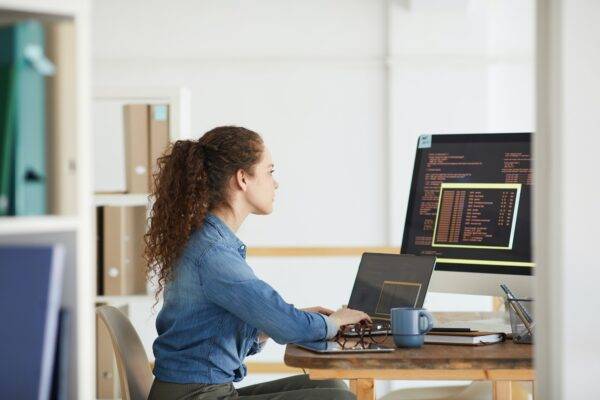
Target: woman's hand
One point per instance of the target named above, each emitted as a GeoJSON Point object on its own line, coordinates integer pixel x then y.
{"type": "Point", "coordinates": [318, 309]}
{"type": "Point", "coordinates": [347, 316]}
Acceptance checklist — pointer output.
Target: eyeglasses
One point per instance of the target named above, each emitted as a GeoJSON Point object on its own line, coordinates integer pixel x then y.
{"type": "Point", "coordinates": [362, 335]}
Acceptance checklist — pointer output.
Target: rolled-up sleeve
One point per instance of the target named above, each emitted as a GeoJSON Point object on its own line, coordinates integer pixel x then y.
{"type": "Point", "coordinates": [229, 282]}
{"type": "Point", "coordinates": [332, 327]}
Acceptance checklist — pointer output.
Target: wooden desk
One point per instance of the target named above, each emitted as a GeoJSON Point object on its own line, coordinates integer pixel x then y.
{"type": "Point", "coordinates": [500, 363]}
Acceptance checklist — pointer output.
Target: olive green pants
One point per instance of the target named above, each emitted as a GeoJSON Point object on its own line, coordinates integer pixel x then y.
{"type": "Point", "coordinates": [292, 388]}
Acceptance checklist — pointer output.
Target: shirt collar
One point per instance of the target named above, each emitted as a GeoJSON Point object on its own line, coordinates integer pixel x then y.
{"type": "Point", "coordinates": [226, 233]}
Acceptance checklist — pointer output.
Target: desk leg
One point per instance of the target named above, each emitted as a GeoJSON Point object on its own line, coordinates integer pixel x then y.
{"type": "Point", "coordinates": [364, 389]}
{"type": "Point", "coordinates": [502, 390]}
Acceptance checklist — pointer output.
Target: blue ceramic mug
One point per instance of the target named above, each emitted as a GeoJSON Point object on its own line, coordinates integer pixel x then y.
{"type": "Point", "coordinates": [409, 326]}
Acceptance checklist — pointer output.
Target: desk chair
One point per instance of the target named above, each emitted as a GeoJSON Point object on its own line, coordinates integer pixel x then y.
{"type": "Point", "coordinates": [135, 374]}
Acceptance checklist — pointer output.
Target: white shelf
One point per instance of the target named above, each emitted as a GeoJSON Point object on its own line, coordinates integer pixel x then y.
{"type": "Point", "coordinates": [65, 8]}
{"type": "Point", "coordinates": [37, 224]}
{"type": "Point", "coordinates": [141, 199]}
{"type": "Point", "coordinates": [122, 299]}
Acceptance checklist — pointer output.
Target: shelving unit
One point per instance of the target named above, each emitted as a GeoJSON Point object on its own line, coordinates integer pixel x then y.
{"type": "Point", "coordinates": [178, 99]}
{"type": "Point", "coordinates": [67, 24]}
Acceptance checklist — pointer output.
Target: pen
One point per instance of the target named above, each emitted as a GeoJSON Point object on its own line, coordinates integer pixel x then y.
{"type": "Point", "coordinates": [511, 296]}
{"type": "Point", "coordinates": [521, 316]}
{"type": "Point", "coordinates": [518, 309]}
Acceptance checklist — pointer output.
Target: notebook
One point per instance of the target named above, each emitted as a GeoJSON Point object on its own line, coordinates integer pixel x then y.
{"type": "Point", "coordinates": [465, 338]}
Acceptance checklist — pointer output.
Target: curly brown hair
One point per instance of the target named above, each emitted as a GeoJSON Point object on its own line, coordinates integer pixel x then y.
{"type": "Point", "coordinates": [193, 178]}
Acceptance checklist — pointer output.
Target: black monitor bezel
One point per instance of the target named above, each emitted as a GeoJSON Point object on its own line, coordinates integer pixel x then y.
{"type": "Point", "coordinates": [464, 138]}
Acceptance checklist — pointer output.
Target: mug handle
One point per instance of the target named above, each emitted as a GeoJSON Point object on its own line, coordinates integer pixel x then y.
{"type": "Point", "coordinates": [429, 319]}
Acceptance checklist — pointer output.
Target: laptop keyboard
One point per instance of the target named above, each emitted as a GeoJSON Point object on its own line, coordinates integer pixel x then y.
{"type": "Point", "coordinates": [377, 329]}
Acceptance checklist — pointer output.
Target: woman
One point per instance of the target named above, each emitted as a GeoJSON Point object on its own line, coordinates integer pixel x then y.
{"type": "Point", "coordinates": [216, 311]}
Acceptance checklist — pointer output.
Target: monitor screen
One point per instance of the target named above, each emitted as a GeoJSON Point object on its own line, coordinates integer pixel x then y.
{"type": "Point", "coordinates": [470, 203]}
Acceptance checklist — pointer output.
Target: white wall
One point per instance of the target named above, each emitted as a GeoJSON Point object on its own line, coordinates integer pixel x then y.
{"type": "Point", "coordinates": [568, 350]}
{"type": "Point", "coordinates": [308, 76]}
{"type": "Point", "coordinates": [456, 66]}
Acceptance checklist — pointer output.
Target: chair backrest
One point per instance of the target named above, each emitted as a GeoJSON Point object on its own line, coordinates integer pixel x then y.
{"type": "Point", "coordinates": [135, 374]}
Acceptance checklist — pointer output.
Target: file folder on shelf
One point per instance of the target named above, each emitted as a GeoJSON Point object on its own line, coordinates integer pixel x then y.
{"type": "Point", "coordinates": [124, 270]}
{"type": "Point", "coordinates": [158, 135]}
{"type": "Point", "coordinates": [62, 120]}
{"type": "Point", "coordinates": [22, 48]}
{"type": "Point", "coordinates": [100, 250]}
{"type": "Point", "coordinates": [136, 147]}
{"type": "Point", "coordinates": [24, 130]}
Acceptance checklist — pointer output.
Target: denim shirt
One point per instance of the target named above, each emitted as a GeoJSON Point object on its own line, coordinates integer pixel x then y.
{"type": "Point", "coordinates": [214, 308]}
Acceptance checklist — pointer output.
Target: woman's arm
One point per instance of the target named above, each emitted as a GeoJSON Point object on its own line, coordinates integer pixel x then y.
{"type": "Point", "coordinates": [263, 337]}
{"type": "Point", "coordinates": [230, 283]}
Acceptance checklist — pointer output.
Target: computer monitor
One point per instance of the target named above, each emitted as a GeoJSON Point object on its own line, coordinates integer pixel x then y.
{"type": "Point", "coordinates": [470, 206]}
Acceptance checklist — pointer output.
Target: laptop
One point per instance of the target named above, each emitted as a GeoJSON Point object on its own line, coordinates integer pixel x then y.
{"type": "Point", "coordinates": [386, 281]}
{"type": "Point", "coordinates": [383, 282]}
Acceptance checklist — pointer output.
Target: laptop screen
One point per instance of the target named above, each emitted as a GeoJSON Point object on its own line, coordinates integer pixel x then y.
{"type": "Point", "coordinates": [385, 281]}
